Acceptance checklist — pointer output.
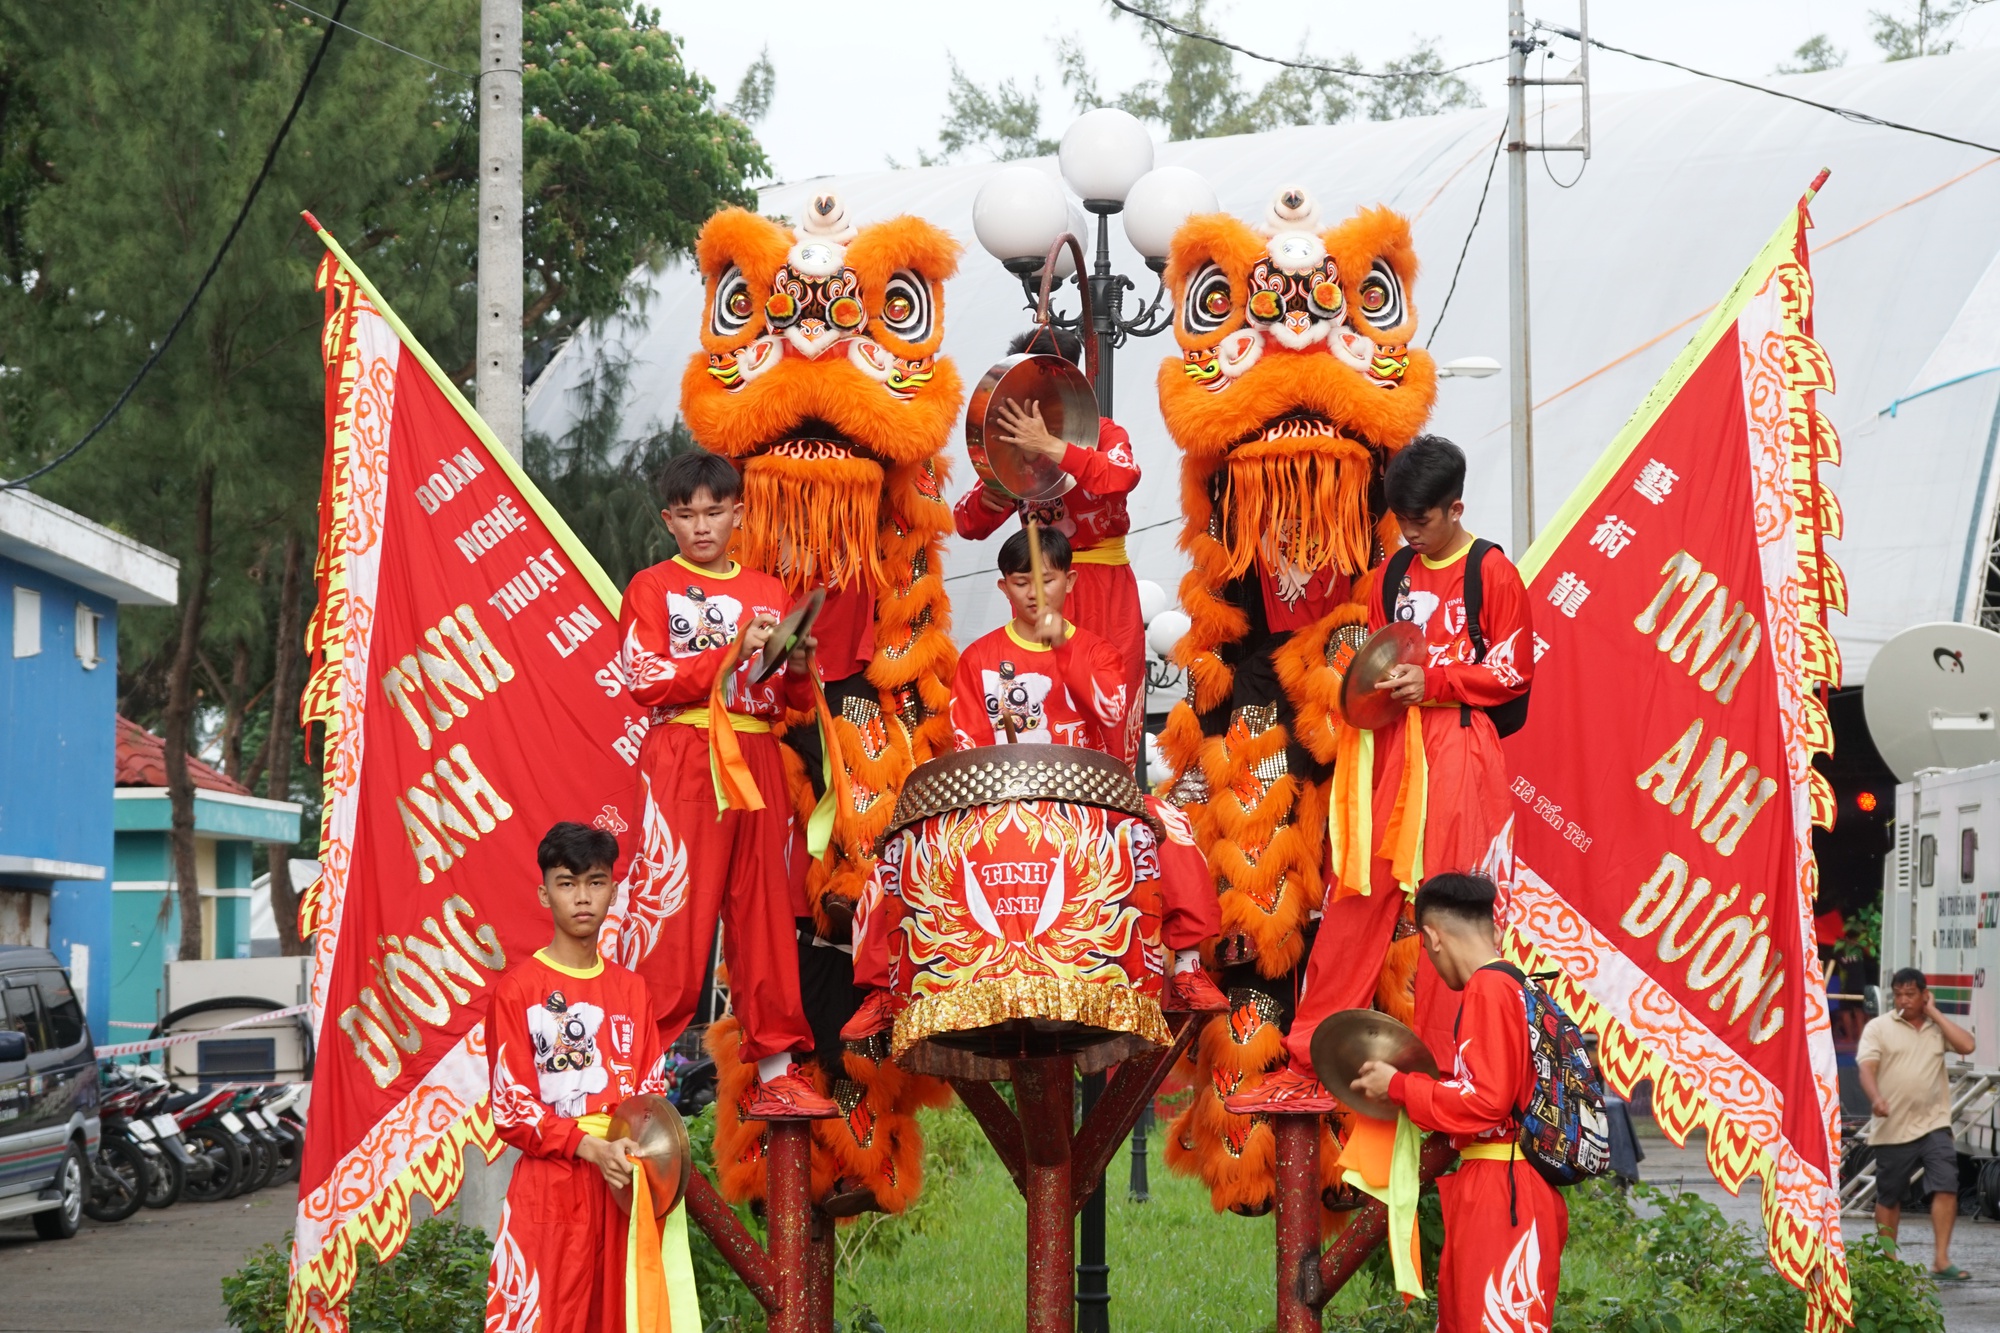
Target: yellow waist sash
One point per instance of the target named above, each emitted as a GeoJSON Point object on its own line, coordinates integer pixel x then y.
{"type": "Point", "coordinates": [598, 1126]}
{"type": "Point", "coordinates": [742, 722]}
{"type": "Point", "coordinates": [1490, 1152]}
{"type": "Point", "coordinates": [1110, 551]}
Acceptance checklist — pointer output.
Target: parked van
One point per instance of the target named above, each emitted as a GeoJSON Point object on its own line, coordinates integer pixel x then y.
{"type": "Point", "coordinates": [48, 1094]}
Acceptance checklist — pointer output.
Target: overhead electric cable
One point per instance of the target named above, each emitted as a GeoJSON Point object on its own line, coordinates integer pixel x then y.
{"type": "Point", "coordinates": [1200, 36]}
{"type": "Point", "coordinates": [1846, 113]}
{"type": "Point", "coordinates": [1438, 323]}
{"type": "Point", "coordinates": [371, 37]}
{"type": "Point", "coordinates": [160, 349]}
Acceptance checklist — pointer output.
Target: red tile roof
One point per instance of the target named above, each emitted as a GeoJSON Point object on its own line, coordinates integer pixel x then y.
{"type": "Point", "coordinates": [142, 762]}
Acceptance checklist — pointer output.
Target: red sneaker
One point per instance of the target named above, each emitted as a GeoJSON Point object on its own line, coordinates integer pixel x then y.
{"type": "Point", "coordinates": [1286, 1092]}
{"type": "Point", "coordinates": [1192, 992]}
{"type": "Point", "coordinates": [876, 1014]}
{"type": "Point", "coordinates": [787, 1097]}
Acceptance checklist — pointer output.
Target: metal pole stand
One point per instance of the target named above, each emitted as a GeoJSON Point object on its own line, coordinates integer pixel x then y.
{"type": "Point", "coordinates": [1367, 1227]}
{"type": "Point", "coordinates": [793, 1281]}
{"type": "Point", "coordinates": [1298, 1218]}
{"type": "Point", "coordinates": [1057, 1168]}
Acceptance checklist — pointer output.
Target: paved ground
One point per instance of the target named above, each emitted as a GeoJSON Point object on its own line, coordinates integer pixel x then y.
{"type": "Point", "coordinates": [159, 1272]}
{"type": "Point", "coordinates": [1969, 1307]}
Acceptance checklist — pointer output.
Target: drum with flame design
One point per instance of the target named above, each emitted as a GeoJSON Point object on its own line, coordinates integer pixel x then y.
{"type": "Point", "coordinates": [1030, 880]}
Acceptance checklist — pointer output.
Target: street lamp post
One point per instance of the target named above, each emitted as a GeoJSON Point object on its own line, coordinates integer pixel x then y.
{"type": "Point", "coordinates": [1107, 162]}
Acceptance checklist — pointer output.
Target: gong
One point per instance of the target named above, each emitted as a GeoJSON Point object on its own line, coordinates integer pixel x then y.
{"type": "Point", "coordinates": [1350, 1039]}
{"type": "Point", "coordinates": [1069, 409]}
{"type": "Point", "coordinates": [651, 1121]}
{"type": "Point", "coordinates": [798, 623]}
{"type": "Point", "coordinates": [1399, 643]}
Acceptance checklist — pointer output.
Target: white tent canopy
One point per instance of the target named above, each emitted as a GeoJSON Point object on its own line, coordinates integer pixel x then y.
{"type": "Point", "coordinates": [1684, 185]}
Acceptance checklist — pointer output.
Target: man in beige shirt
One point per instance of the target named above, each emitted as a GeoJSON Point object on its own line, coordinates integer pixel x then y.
{"type": "Point", "coordinates": [1901, 1063]}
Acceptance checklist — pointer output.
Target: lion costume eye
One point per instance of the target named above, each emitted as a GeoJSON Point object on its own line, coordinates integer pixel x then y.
{"type": "Point", "coordinates": [906, 307]}
{"type": "Point", "coordinates": [733, 304]}
{"type": "Point", "coordinates": [1381, 297]}
{"type": "Point", "coordinates": [1208, 301]}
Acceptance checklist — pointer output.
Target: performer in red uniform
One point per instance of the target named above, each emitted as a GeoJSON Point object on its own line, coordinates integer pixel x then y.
{"type": "Point", "coordinates": [1504, 1225]}
{"type": "Point", "coordinates": [1466, 806]}
{"type": "Point", "coordinates": [1091, 514]}
{"type": "Point", "coordinates": [692, 627]}
{"type": "Point", "coordinates": [568, 1037]}
{"type": "Point", "coordinates": [1041, 680]}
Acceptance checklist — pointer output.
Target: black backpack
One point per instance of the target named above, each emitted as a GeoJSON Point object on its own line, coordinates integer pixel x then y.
{"type": "Point", "coordinates": [1509, 717]}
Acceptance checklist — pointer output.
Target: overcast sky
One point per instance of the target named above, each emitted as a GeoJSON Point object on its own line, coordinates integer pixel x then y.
{"type": "Point", "coordinates": [865, 81]}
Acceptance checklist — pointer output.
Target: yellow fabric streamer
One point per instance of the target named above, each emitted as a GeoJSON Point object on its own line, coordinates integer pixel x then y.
{"type": "Point", "coordinates": [1110, 551]}
{"type": "Point", "coordinates": [1381, 1160]}
{"type": "Point", "coordinates": [837, 796]}
{"type": "Point", "coordinates": [1403, 837]}
{"type": "Point", "coordinates": [1350, 813]}
{"type": "Point", "coordinates": [735, 785]}
{"type": "Point", "coordinates": [741, 723]}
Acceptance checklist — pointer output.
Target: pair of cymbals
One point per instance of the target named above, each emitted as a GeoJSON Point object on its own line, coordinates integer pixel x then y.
{"type": "Point", "coordinates": [1362, 702]}
{"type": "Point", "coordinates": [1351, 1038]}
{"type": "Point", "coordinates": [652, 1123]}
{"type": "Point", "coordinates": [791, 631]}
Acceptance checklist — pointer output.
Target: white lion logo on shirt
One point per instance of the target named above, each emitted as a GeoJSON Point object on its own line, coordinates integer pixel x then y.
{"type": "Point", "coordinates": [698, 621]}
{"type": "Point", "coordinates": [565, 1037]}
{"type": "Point", "coordinates": [1417, 606]}
{"type": "Point", "coordinates": [1022, 698]}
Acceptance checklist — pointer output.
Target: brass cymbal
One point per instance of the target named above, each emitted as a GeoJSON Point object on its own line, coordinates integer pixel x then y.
{"type": "Point", "coordinates": [798, 623]}
{"type": "Point", "coordinates": [1345, 1041]}
{"type": "Point", "coordinates": [651, 1121]}
{"type": "Point", "coordinates": [1399, 643]}
{"type": "Point", "coordinates": [1068, 406]}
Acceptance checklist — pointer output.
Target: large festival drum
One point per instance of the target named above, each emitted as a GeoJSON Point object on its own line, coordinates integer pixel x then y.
{"type": "Point", "coordinates": [1030, 879]}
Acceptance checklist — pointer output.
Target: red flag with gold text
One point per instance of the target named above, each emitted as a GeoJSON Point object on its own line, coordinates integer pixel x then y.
{"type": "Point", "coordinates": [1664, 782]}
{"type": "Point", "coordinates": [465, 653]}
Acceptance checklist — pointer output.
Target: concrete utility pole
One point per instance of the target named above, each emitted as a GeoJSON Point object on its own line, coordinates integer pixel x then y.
{"type": "Point", "coordinates": [1520, 392]}
{"type": "Point", "coordinates": [1520, 396]}
{"type": "Point", "coordinates": [499, 383]}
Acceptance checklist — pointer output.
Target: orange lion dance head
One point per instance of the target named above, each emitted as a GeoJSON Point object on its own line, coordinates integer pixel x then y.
{"type": "Point", "coordinates": [819, 374]}
{"type": "Point", "coordinates": [1296, 380]}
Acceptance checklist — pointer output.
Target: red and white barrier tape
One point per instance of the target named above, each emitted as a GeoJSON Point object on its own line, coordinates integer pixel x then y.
{"type": "Point", "coordinates": [180, 1038]}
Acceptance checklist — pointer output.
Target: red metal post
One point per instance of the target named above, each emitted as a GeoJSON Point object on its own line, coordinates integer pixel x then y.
{"type": "Point", "coordinates": [738, 1246]}
{"type": "Point", "coordinates": [1046, 1092]}
{"type": "Point", "coordinates": [1118, 1108]}
{"type": "Point", "coordinates": [1298, 1217]}
{"type": "Point", "coordinates": [788, 1203]}
{"type": "Point", "coordinates": [819, 1273]}
{"type": "Point", "coordinates": [1001, 1127]}
{"type": "Point", "coordinates": [1368, 1226]}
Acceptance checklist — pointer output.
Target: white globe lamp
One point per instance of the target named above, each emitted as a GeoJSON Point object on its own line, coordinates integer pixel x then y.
{"type": "Point", "coordinates": [1017, 216]}
{"type": "Point", "coordinates": [1164, 632]}
{"type": "Point", "coordinates": [1469, 368]}
{"type": "Point", "coordinates": [1103, 153]}
{"type": "Point", "coordinates": [1156, 206]}
{"type": "Point", "coordinates": [1152, 601]}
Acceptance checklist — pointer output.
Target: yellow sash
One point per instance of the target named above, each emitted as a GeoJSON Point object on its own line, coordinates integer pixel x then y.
{"type": "Point", "coordinates": [1110, 551]}
{"type": "Point", "coordinates": [598, 1126]}
{"type": "Point", "coordinates": [1490, 1152]}
{"type": "Point", "coordinates": [740, 722]}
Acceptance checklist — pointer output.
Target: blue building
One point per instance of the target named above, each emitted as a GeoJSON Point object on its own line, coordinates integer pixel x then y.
{"type": "Point", "coordinates": [144, 902]}
{"type": "Point", "coordinates": [62, 581]}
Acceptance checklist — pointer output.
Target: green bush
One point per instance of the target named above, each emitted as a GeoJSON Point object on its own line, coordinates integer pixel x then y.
{"type": "Point", "coordinates": [435, 1284]}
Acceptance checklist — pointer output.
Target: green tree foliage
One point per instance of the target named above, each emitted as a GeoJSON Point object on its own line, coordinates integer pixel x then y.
{"type": "Point", "coordinates": [755, 90]}
{"type": "Point", "coordinates": [1199, 92]}
{"type": "Point", "coordinates": [1814, 54]}
{"type": "Point", "coordinates": [1921, 28]}
{"type": "Point", "coordinates": [130, 133]}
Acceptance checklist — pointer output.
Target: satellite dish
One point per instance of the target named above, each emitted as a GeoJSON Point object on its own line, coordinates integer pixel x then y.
{"type": "Point", "coordinates": [1932, 698]}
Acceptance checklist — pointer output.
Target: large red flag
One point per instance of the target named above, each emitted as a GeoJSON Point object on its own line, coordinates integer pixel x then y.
{"type": "Point", "coordinates": [465, 654]}
{"type": "Point", "coordinates": [1663, 848]}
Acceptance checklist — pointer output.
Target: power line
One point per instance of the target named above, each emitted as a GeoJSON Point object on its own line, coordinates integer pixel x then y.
{"type": "Point", "coordinates": [160, 350]}
{"type": "Point", "coordinates": [371, 37]}
{"type": "Point", "coordinates": [1199, 36]}
{"type": "Point", "coordinates": [1846, 113]}
{"type": "Point", "coordinates": [1477, 213]}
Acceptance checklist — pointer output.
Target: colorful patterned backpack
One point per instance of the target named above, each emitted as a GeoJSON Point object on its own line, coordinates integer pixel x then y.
{"type": "Point", "coordinates": [1564, 1132]}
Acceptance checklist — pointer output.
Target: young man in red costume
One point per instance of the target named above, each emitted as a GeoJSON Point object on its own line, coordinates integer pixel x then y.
{"type": "Point", "coordinates": [568, 1037]}
{"type": "Point", "coordinates": [1465, 802]}
{"type": "Point", "coordinates": [1040, 679]}
{"type": "Point", "coordinates": [1504, 1225]}
{"type": "Point", "coordinates": [717, 826]}
{"type": "Point", "coordinates": [1090, 514]}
